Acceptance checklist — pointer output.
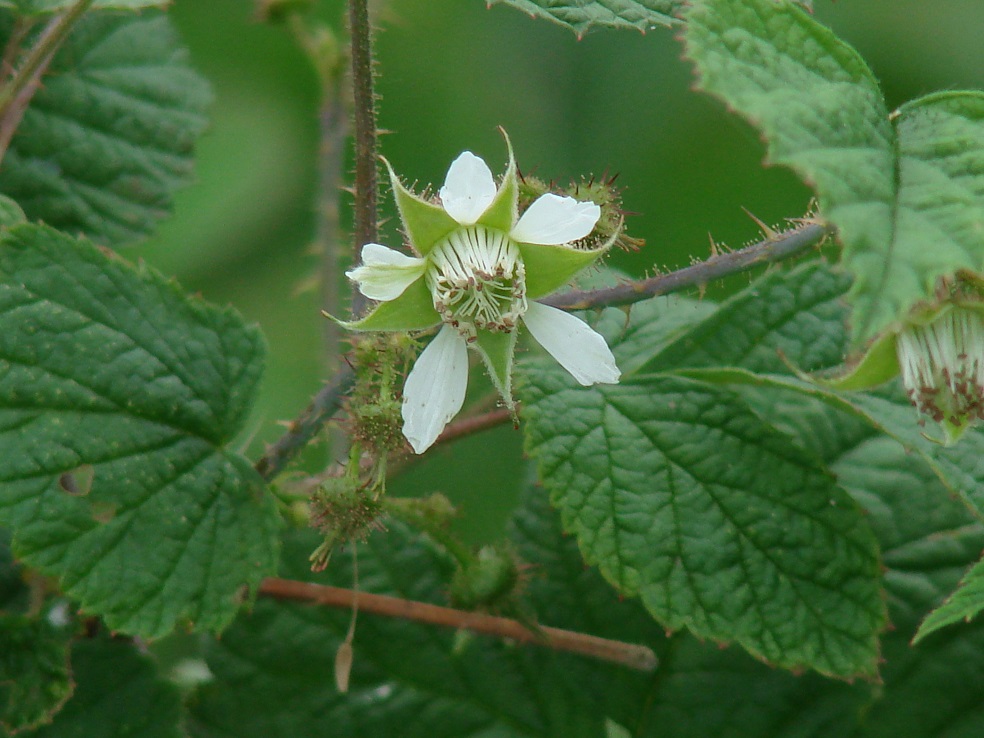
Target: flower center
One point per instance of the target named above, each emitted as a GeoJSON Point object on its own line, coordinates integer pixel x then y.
{"type": "Point", "coordinates": [478, 280]}
{"type": "Point", "coordinates": [942, 366]}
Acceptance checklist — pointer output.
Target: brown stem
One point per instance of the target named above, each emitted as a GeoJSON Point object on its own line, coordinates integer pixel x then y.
{"type": "Point", "coordinates": [627, 654]}
{"type": "Point", "coordinates": [775, 248]}
{"type": "Point", "coordinates": [364, 118]}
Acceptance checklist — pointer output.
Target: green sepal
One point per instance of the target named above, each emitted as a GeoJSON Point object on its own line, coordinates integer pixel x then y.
{"type": "Point", "coordinates": [879, 364]}
{"type": "Point", "coordinates": [424, 222]}
{"type": "Point", "coordinates": [548, 268]}
{"type": "Point", "coordinates": [411, 311]}
{"type": "Point", "coordinates": [501, 213]}
{"type": "Point", "coordinates": [497, 351]}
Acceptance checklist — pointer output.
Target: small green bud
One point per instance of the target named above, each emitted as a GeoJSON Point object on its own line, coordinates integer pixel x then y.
{"type": "Point", "coordinates": [344, 511]}
{"type": "Point", "coordinates": [490, 582]}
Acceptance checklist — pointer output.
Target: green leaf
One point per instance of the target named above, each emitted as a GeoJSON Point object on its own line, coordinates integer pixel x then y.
{"type": "Point", "coordinates": [795, 316]}
{"type": "Point", "coordinates": [906, 195]}
{"type": "Point", "coordinates": [580, 16]}
{"type": "Point", "coordinates": [10, 213]}
{"type": "Point", "coordinates": [35, 679]}
{"type": "Point", "coordinates": [964, 604]}
{"type": "Point", "coordinates": [685, 498]}
{"type": "Point", "coordinates": [39, 7]}
{"type": "Point", "coordinates": [119, 695]}
{"type": "Point", "coordinates": [108, 137]}
{"type": "Point", "coordinates": [110, 371]}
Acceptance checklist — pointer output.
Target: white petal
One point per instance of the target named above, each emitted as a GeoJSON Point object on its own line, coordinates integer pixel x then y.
{"type": "Point", "coordinates": [468, 189]}
{"type": "Point", "coordinates": [553, 220]}
{"type": "Point", "coordinates": [385, 273]}
{"type": "Point", "coordinates": [435, 389]}
{"type": "Point", "coordinates": [576, 346]}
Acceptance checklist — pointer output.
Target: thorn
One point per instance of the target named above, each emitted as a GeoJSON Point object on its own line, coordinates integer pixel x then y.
{"type": "Point", "coordinates": [769, 232]}
{"type": "Point", "coordinates": [714, 247]}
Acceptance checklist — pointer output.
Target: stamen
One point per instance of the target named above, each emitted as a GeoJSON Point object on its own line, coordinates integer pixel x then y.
{"type": "Point", "coordinates": [942, 366]}
{"type": "Point", "coordinates": [478, 280]}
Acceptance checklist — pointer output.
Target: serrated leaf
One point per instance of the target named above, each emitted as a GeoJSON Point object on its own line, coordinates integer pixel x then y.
{"type": "Point", "coordinates": [106, 366]}
{"type": "Point", "coordinates": [119, 694]}
{"type": "Point", "coordinates": [108, 137]}
{"type": "Point", "coordinates": [40, 7]}
{"type": "Point", "coordinates": [581, 16]}
{"type": "Point", "coordinates": [907, 195]}
{"type": "Point", "coordinates": [684, 497]}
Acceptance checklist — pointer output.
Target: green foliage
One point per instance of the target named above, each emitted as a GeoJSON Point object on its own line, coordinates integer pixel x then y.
{"type": "Point", "coordinates": [119, 695]}
{"type": "Point", "coordinates": [581, 16]}
{"type": "Point", "coordinates": [890, 184]}
{"type": "Point", "coordinates": [736, 516]}
{"type": "Point", "coordinates": [112, 367]}
{"type": "Point", "coordinates": [35, 679]}
{"type": "Point", "coordinates": [964, 604]}
{"type": "Point", "coordinates": [684, 497]}
{"type": "Point", "coordinates": [108, 137]}
{"type": "Point", "coordinates": [273, 667]}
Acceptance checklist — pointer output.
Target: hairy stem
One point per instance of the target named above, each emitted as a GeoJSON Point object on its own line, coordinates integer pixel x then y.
{"type": "Point", "coordinates": [627, 654]}
{"type": "Point", "coordinates": [306, 426]}
{"type": "Point", "coordinates": [775, 248]}
{"type": "Point", "coordinates": [40, 54]}
{"type": "Point", "coordinates": [364, 119]}
{"type": "Point", "coordinates": [17, 94]}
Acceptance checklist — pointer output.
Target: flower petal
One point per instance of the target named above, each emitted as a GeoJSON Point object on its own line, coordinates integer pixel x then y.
{"type": "Point", "coordinates": [576, 346]}
{"type": "Point", "coordinates": [385, 274]}
{"type": "Point", "coordinates": [553, 220]}
{"type": "Point", "coordinates": [435, 390]}
{"type": "Point", "coordinates": [468, 189]}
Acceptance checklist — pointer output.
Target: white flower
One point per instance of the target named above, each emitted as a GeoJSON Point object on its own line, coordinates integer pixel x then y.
{"type": "Point", "coordinates": [942, 366]}
{"type": "Point", "coordinates": [479, 270]}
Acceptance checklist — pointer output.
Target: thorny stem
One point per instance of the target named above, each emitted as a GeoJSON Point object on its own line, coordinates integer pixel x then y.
{"type": "Point", "coordinates": [47, 44]}
{"type": "Point", "coordinates": [306, 426]}
{"type": "Point", "coordinates": [627, 654]}
{"type": "Point", "coordinates": [16, 95]}
{"type": "Point", "coordinates": [775, 248]}
{"type": "Point", "coordinates": [364, 118]}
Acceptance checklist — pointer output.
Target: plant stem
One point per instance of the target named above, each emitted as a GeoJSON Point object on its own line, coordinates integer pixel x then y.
{"type": "Point", "coordinates": [306, 426]}
{"type": "Point", "coordinates": [775, 248]}
{"type": "Point", "coordinates": [364, 119]}
{"type": "Point", "coordinates": [627, 654]}
{"type": "Point", "coordinates": [40, 54]}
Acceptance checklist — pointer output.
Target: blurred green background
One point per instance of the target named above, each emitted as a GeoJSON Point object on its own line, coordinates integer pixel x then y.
{"type": "Point", "coordinates": [450, 72]}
